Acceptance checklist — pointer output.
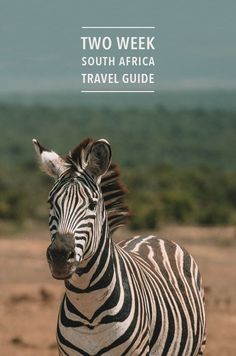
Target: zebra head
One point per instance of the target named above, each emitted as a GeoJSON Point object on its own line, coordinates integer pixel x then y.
{"type": "Point", "coordinates": [76, 203]}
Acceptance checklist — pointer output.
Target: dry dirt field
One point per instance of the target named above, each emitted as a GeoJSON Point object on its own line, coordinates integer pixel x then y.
{"type": "Point", "coordinates": [30, 298]}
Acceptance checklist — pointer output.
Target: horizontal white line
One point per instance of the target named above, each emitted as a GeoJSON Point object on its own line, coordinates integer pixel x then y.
{"type": "Point", "coordinates": [117, 91]}
{"type": "Point", "coordinates": [118, 27]}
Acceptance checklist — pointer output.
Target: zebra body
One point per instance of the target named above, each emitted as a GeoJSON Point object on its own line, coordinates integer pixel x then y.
{"type": "Point", "coordinates": [140, 297]}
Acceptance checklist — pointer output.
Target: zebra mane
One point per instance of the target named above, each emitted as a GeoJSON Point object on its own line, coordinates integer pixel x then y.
{"type": "Point", "coordinates": [113, 190]}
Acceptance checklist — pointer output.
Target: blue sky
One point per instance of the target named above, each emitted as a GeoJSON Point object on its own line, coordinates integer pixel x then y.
{"type": "Point", "coordinates": [40, 40]}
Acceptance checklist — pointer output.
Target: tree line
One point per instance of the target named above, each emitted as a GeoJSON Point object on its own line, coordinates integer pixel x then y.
{"type": "Point", "coordinates": [179, 165]}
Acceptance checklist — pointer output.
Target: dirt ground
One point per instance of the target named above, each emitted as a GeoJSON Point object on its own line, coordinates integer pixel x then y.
{"type": "Point", "coordinates": [30, 298]}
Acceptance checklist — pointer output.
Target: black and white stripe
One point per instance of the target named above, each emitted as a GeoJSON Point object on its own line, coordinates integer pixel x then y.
{"type": "Point", "coordinates": [143, 296]}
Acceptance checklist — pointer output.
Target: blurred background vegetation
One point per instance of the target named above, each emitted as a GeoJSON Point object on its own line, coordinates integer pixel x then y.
{"type": "Point", "coordinates": [179, 164]}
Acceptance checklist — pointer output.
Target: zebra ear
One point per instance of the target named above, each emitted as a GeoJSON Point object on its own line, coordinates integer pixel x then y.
{"type": "Point", "coordinates": [50, 162]}
{"type": "Point", "coordinates": [99, 158]}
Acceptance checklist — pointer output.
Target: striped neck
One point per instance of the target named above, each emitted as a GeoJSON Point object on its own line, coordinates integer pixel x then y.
{"type": "Point", "coordinates": [91, 286]}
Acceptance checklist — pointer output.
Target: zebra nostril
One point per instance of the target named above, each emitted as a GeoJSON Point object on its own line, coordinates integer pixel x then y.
{"type": "Point", "coordinates": [71, 256]}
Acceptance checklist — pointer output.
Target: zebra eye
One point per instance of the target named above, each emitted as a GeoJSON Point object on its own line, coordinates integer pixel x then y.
{"type": "Point", "coordinates": [92, 204]}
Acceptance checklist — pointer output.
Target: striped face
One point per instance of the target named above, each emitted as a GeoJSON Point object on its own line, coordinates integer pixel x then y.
{"type": "Point", "coordinates": [75, 212]}
{"type": "Point", "coordinates": [76, 205]}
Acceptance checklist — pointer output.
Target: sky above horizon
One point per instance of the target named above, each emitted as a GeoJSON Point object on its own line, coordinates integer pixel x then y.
{"type": "Point", "coordinates": [40, 41]}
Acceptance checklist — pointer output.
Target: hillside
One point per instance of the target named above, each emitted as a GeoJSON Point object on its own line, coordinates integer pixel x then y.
{"type": "Point", "coordinates": [178, 164]}
{"type": "Point", "coordinates": [147, 137]}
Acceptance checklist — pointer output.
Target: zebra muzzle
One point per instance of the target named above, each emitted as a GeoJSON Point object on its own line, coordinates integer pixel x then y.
{"type": "Point", "coordinates": [61, 256]}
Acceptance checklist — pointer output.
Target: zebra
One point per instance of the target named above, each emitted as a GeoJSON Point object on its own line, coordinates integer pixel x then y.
{"type": "Point", "coordinates": [142, 296]}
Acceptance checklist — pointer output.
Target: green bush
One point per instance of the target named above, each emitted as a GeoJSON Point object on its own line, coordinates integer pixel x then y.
{"type": "Point", "coordinates": [179, 166]}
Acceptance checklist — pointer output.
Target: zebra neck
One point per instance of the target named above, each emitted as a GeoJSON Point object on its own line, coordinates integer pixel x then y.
{"type": "Point", "coordinates": [96, 280]}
